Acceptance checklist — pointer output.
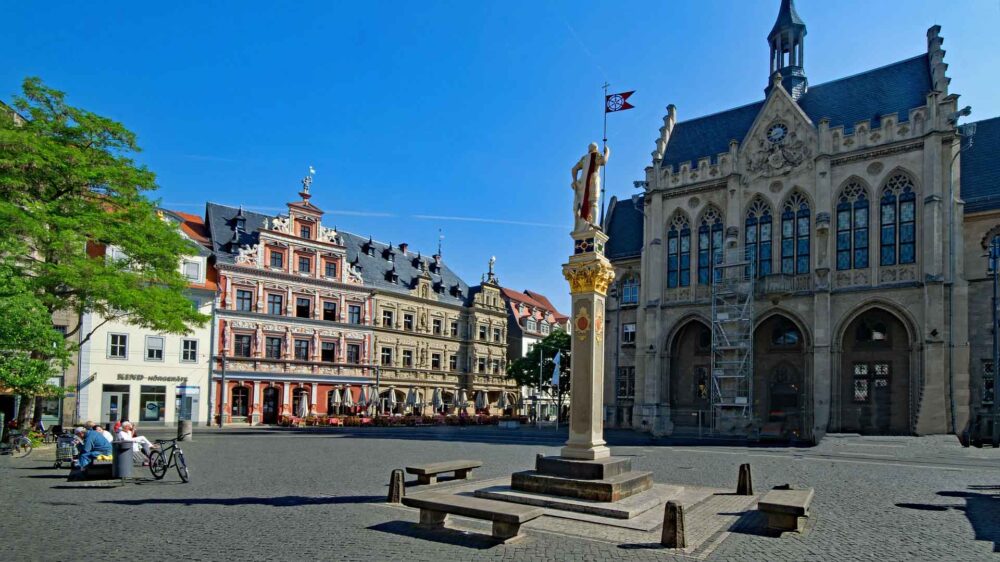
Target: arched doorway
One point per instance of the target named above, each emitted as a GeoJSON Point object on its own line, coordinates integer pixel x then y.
{"type": "Point", "coordinates": [779, 393]}
{"type": "Point", "coordinates": [875, 375]}
{"type": "Point", "coordinates": [269, 407]}
{"type": "Point", "coordinates": [690, 362]}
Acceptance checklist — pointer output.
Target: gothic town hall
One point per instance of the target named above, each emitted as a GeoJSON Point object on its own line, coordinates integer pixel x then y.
{"type": "Point", "coordinates": [812, 262]}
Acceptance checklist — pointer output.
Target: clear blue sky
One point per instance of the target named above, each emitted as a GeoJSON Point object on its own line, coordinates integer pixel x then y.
{"type": "Point", "coordinates": [471, 112]}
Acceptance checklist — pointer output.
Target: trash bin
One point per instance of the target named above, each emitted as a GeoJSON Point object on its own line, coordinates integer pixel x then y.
{"type": "Point", "coordinates": [121, 459]}
{"type": "Point", "coordinates": [184, 430]}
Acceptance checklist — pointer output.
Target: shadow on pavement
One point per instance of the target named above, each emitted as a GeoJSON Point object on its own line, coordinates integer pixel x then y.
{"type": "Point", "coordinates": [982, 511]}
{"type": "Point", "coordinates": [277, 501]}
{"type": "Point", "coordinates": [452, 537]}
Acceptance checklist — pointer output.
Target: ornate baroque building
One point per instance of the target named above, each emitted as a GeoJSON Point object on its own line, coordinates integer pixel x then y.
{"type": "Point", "coordinates": [308, 314]}
{"type": "Point", "coordinates": [844, 204]}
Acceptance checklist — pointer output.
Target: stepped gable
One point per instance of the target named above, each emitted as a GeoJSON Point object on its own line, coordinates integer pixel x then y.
{"type": "Point", "coordinates": [981, 168]}
{"type": "Point", "coordinates": [374, 270]}
{"type": "Point", "coordinates": [623, 226]}
{"type": "Point", "coordinates": [894, 89]}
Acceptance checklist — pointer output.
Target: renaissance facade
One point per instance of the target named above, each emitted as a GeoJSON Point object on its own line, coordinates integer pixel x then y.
{"type": "Point", "coordinates": [308, 316]}
{"type": "Point", "coordinates": [841, 204]}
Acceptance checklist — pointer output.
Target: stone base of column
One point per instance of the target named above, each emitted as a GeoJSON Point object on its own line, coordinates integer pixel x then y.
{"type": "Point", "coordinates": [584, 452]}
{"type": "Point", "coordinates": [605, 480]}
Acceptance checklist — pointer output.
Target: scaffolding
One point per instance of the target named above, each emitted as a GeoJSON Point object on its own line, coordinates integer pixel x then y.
{"type": "Point", "coordinates": [732, 344]}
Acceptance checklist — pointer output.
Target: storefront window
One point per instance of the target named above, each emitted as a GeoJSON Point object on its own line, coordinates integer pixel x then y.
{"type": "Point", "coordinates": [153, 401]}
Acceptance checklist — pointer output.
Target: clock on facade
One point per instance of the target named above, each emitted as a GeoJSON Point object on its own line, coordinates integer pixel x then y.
{"type": "Point", "coordinates": [777, 132]}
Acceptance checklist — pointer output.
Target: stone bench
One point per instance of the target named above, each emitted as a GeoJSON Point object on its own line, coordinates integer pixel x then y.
{"type": "Point", "coordinates": [428, 473]}
{"type": "Point", "coordinates": [786, 509]}
{"type": "Point", "coordinates": [507, 517]}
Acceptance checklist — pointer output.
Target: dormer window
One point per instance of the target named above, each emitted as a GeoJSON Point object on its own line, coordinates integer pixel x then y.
{"type": "Point", "coordinates": [241, 224]}
{"type": "Point", "coordinates": [305, 231]}
{"type": "Point", "coordinates": [391, 276]}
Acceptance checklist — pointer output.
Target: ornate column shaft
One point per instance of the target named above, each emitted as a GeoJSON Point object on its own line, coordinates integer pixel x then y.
{"type": "Point", "coordinates": [589, 273]}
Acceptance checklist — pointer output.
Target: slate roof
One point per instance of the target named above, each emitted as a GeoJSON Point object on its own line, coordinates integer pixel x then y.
{"type": "Point", "coordinates": [981, 168]}
{"type": "Point", "coordinates": [374, 270]}
{"type": "Point", "coordinates": [623, 226]}
{"type": "Point", "coordinates": [221, 221]}
{"type": "Point", "coordinates": [893, 89]}
{"type": "Point", "coordinates": [787, 17]}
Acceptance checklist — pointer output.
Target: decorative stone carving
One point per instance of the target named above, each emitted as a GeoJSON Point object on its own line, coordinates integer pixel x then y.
{"type": "Point", "coordinates": [330, 235]}
{"type": "Point", "coordinates": [280, 224]}
{"type": "Point", "coordinates": [594, 276]}
{"type": "Point", "coordinates": [694, 202]}
{"type": "Point", "coordinates": [247, 255]}
{"type": "Point", "coordinates": [777, 158]}
{"type": "Point", "coordinates": [587, 187]}
{"type": "Point", "coordinates": [874, 168]}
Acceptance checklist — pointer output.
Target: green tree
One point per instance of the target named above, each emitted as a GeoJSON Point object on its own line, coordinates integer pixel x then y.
{"type": "Point", "coordinates": [32, 350]}
{"type": "Point", "coordinates": [69, 188]}
{"type": "Point", "coordinates": [525, 370]}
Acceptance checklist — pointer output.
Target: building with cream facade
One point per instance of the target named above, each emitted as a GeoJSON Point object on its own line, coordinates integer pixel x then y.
{"type": "Point", "coordinates": [130, 373]}
{"type": "Point", "coordinates": [842, 205]}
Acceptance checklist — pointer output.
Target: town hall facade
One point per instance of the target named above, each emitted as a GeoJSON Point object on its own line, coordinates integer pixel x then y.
{"type": "Point", "coordinates": [842, 203]}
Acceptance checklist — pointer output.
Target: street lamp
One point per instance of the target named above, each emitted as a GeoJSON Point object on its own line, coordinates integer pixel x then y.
{"type": "Point", "coordinates": [994, 268]}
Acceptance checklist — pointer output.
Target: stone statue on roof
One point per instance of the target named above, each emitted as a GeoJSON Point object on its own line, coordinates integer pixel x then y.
{"type": "Point", "coordinates": [587, 188]}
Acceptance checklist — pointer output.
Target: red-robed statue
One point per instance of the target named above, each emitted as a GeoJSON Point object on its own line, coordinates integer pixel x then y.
{"type": "Point", "coordinates": [587, 188]}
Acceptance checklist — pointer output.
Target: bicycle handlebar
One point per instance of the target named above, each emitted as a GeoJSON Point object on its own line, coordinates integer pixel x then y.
{"type": "Point", "coordinates": [174, 440]}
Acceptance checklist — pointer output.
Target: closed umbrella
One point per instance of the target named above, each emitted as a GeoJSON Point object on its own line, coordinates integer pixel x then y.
{"type": "Point", "coordinates": [334, 400]}
{"type": "Point", "coordinates": [348, 397]}
{"type": "Point", "coordinates": [411, 399]}
{"type": "Point", "coordinates": [502, 402]}
{"type": "Point", "coordinates": [392, 399]}
{"type": "Point", "coordinates": [463, 399]}
{"type": "Point", "coordinates": [437, 402]}
{"type": "Point", "coordinates": [363, 398]}
{"type": "Point", "coordinates": [481, 400]}
{"type": "Point", "coordinates": [303, 405]}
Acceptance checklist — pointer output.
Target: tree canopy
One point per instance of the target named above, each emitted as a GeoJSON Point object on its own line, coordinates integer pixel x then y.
{"type": "Point", "coordinates": [525, 369]}
{"type": "Point", "coordinates": [69, 189]}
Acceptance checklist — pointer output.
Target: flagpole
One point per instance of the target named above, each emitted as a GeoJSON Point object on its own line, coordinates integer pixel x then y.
{"type": "Point", "coordinates": [604, 147]}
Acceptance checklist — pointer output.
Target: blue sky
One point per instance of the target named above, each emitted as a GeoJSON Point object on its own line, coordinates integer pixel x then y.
{"type": "Point", "coordinates": [460, 116]}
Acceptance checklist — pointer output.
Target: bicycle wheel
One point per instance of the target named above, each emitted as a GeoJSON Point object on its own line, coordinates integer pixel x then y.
{"type": "Point", "coordinates": [182, 467]}
{"type": "Point", "coordinates": [157, 465]}
{"type": "Point", "coordinates": [22, 447]}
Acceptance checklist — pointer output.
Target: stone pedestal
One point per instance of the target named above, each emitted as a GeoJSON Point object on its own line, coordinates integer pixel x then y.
{"type": "Point", "coordinates": [605, 480]}
{"type": "Point", "coordinates": [589, 273]}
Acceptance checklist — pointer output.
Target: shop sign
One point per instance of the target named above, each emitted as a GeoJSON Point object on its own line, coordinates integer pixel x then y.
{"type": "Point", "coordinates": [151, 378]}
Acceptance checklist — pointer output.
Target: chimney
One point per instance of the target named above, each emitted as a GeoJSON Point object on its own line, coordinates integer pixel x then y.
{"type": "Point", "coordinates": [403, 246]}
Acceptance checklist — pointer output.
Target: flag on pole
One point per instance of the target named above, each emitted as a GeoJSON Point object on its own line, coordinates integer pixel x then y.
{"type": "Point", "coordinates": [555, 370]}
{"type": "Point", "coordinates": [617, 102]}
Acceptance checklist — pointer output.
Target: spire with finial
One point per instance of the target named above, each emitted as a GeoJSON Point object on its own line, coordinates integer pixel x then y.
{"type": "Point", "coordinates": [788, 50]}
{"type": "Point", "coordinates": [491, 276]}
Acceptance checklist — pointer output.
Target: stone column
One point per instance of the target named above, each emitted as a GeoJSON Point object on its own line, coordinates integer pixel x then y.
{"type": "Point", "coordinates": [589, 273]}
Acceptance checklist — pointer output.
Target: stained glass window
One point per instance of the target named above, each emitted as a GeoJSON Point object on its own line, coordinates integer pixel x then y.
{"type": "Point", "coordinates": [795, 235]}
{"type": "Point", "coordinates": [709, 244]}
{"type": "Point", "coordinates": [758, 238]}
{"type": "Point", "coordinates": [898, 210]}
{"type": "Point", "coordinates": [678, 252]}
{"type": "Point", "coordinates": [852, 227]}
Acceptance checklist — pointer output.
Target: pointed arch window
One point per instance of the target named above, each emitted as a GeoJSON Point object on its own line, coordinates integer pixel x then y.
{"type": "Point", "coordinates": [852, 227]}
{"type": "Point", "coordinates": [795, 235]}
{"type": "Point", "coordinates": [897, 225]}
{"type": "Point", "coordinates": [679, 252]}
{"type": "Point", "coordinates": [709, 245]}
{"type": "Point", "coordinates": [758, 238]}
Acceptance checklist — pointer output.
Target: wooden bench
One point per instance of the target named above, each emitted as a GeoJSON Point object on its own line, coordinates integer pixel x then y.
{"type": "Point", "coordinates": [507, 517]}
{"type": "Point", "coordinates": [428, 473]}
{"type": "Point", "coordinates": [786, 509]}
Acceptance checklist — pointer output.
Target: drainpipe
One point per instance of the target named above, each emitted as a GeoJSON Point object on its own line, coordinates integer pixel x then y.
{"type": "Point", "coordinates": [211, 365]}
{"type": "Point", "coordinates": [953, 121]}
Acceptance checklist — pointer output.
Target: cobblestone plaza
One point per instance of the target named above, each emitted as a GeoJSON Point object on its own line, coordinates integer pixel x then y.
{"type": "Point", "coordinates": [298, 494]}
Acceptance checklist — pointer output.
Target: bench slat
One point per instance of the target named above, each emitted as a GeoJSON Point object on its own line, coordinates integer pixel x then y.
{"type": "Point", "coordinates": [446, 466]}
{"type": "Point", "coordinates": [476, 508]}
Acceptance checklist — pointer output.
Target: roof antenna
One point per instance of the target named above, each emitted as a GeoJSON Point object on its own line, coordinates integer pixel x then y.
{"type": "Point", "coordinates": [440, 238]}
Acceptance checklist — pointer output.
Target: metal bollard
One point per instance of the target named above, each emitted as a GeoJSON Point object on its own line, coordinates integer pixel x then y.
{"type": "Point", "coordinates": [744, 486]}
{"type": "Point", "coordinates": [396, 487]}
{"type": "Point", "coordinates": [673, 526]}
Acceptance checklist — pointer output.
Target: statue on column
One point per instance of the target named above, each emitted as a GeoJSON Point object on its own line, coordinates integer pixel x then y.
{"type": "Point", "coordinates": [587, 188]}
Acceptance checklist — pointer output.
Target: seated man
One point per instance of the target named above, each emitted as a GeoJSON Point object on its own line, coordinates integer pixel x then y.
{"type": "Point", "coordinates": [127, 433]}
{"type": "Point", "coordinates": [94, 445]}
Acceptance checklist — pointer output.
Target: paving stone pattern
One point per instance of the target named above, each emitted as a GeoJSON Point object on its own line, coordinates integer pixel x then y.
{"type": "Point", "coordinates": [296, 494]}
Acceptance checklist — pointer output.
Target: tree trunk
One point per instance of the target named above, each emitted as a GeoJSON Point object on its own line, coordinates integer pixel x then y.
{"type": "Point", "coordinates": [26, 410]}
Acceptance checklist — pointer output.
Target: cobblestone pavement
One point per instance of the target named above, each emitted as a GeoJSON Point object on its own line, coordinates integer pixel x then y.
{"type": "Point", "coordinates": [299, 494]}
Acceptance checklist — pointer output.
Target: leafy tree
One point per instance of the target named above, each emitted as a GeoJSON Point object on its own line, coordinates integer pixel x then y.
{"type": "Point", "coordinates": [525, 370]}
{"type": "Point", "coordinates": [69, 188]}
{"type": "Point", "coordinates": [32, 349]}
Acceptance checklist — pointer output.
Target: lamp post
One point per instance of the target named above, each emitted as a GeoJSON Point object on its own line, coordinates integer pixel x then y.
{"type": "Point", "coordinates": [222, 391]}
{"type": "Point", "coordinates": [965, 131]}
{"type": "Point", "coordinates": [995, 271]}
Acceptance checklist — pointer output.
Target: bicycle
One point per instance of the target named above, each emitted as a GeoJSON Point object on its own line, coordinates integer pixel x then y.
{"type": "Point", "coordinates": [18, 445]}
{"type": "Point", "coordinates": [159, 462]}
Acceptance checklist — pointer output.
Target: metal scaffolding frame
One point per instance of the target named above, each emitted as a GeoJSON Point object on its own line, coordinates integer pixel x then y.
{"type": "Point", "coordinates": [732, 343]}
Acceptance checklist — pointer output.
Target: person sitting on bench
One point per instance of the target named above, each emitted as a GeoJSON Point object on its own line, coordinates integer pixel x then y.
{"type": "Point", "coordinates": [94, 445]}
{"type": "Point", "coordinates": [127, 433]}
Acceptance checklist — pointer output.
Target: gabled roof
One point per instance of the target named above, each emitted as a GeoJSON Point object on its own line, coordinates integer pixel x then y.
{"type": "Point", "coordinates": [535, 300]}
{"type": "Point", "coordinates": [893, 89]}
{"type": "Point", "coordinates": [980, 172]}
{"type": "Point", "coordinates": [623, 226]}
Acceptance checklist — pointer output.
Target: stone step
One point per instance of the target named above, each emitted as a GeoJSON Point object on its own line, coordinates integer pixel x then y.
{"type": "Point", "coordinates": [627, 508]}
{"type": "Point", "coordinates": [609, 489]}
{"type": "Point", "coordinates": [599, 469]}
